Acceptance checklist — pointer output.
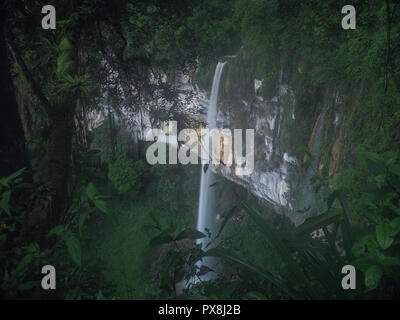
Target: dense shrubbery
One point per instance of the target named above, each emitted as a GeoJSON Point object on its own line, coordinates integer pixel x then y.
{"type": "Point", "coordinates": [376, 201]}
{"type": "Point", "coordinates": [126, 175]}
{"type": "Point", "coordinates": [24, 258]}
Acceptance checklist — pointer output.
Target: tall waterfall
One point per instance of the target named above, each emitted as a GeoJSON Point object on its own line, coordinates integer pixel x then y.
{"type": "Point", "coordinates": [206, 218]}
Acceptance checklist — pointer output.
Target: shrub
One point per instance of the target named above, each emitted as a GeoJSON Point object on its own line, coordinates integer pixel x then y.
{"type": "Point", "coordinates": [126, 175]}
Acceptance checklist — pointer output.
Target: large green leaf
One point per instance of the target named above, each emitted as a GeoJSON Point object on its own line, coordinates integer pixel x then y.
{"type": "Point", "coordinates": [102, 206]}
{"type": "Point", "coordinates": [84, 215]}
{"type": "Point", "coordinates": [395, 226]}
{"type": "Point", "coordinates": [5, 181]}
{"type": "Point", "coordinates": [155, 216]}
{"type": "Point", "coordinates": [91, 191]}
{"type": "Point", "coordinates": [274, 279]}
{"type": "Point", "coordinates": [23, 264]}
{"type": "Point", "coordinates": [74, 249]}
{"type": "Point", "coordinates": [162, 238]}
{"type": "Point", "coordinates": [57, 230]}
{"type": "Point", "coordinates": [395, 168]}
{"type": "Point", "coordinates": [227, 215]}
{"type": "Point", "coordinates": [373, 277]}
{"type": "Point", "coordinates": [27, 285]}
{"type": "Point", "coordinates": [384, 235]}
{"type": "Point", "coordinates": [375, 162]}
{"type": "Point", "coordinates": [276, 241]}
{"type": "Point", "coordinates": [15, 174]}
{"type": "Point", "coordinates": [314, 223]}
{"type": "Point", "coordinates": [346, 226]}
{"type": "Point", "coordinates": [190, 234]}
{"type": "Point", "coordinates": [5, 202]}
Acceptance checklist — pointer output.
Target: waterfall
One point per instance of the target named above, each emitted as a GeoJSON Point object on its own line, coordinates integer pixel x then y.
{"type": "Point", "coordinates": [207, 201]}
{"type": "Point", "coordinates": [206, 219]}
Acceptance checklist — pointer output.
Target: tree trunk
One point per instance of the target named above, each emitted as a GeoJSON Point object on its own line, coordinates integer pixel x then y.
{"type": "Point", "coordinates": [61, 118]}
{"type": "Point", "coordinates": [61, 111]}
{"type": "Point", "coordinates": [58, 161]}
{"type": "Point", "coordinates": [13, 155]}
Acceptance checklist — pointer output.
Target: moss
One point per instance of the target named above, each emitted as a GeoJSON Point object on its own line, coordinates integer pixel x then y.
{"type": "Point", "coordinates": [66, 61]}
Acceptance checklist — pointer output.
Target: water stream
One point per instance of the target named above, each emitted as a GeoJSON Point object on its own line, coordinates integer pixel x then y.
{"type": "Point", "coordinates": [206, 218]}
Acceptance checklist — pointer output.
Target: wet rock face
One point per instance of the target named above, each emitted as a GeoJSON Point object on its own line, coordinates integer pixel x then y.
{"type": "Point", "coordinates": [246, 109]}
{"type": "Point", "coordinates": [268, 181]}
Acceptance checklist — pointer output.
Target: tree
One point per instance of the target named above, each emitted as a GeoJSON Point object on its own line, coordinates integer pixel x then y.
{"type": "Point", "coordinates": [58, 77]}
{"type": "Point", "coordinates": [13, 155]}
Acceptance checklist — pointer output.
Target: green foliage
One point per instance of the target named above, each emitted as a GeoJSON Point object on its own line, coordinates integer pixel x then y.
{"type": "Point", "coordinates": [275, 259]}
{"type": "Point", "coordinates": [293, 264]}
{"type": "Point", "coordinates": [66, 63]}
{"type": "Point", "coordinates": [126, 175]}
{"type": "Point", "coordinates": [210, 30]}
{"type": "Point", "coordinates": [22, 260]}
{"type": "Point", "coordinates": [377, 246]}
{"type": "Point", "coordinates": [72, 83]}
{"type": "Point", "coordinates": [19, 280]}
{"type": "Point", "coordinates": [74, 249]}
{"type": "Point", "coordinates": [16, 259]}
{"type": "Point", "coordinates": [81, 210]}
{"type": "Point", "coordinates": [108, 146]}
{"type": "Point", "coordinates": [302, 266]}
{"type": "Point", "coordinates": [176, 257]}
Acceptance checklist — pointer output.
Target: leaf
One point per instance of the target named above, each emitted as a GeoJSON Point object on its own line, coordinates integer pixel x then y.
{"type": "Point", "coordinates": [254, 295]}
{"type": "Point", "coordinates": [5, 202]}
{"type": "Point", "coordinates": [221, 253]}
{"type": "Point", "coordinates": [148, 227]}
{"type": "Point", "coordinates": [373, 277]}
{"type": "Point", "coordinates": [190, 234]}
{"type": "Point", "coordinates": [215, 184]}
{"type": "Point", "coordinates": [276, 241]}
{"type": "Point", "coordinates": [57, 230]}
{"type": "Point", "coordinates": [100, 296]}
{"type": "Point", "coordinates": [162, 238]}
{"type": "Point", "coordinates": [91, 190]}
{"type": "Point", "coordinates": [375, 162]}
{"type": "Point", "coordinates": [228, 214]}
{"type": "Point", "coordinates": [331, 198]}
{"type": "Point", "coordinates": [395, 168]}
{"type": "Point", "coordinates": [395, 226]}
{"type": "Point", "coordinates": [204, 270]}
{"type": "Point", "coordinates": [14, 175]}
{"type": "Point", "coordinates": [27, 285]}
{"type": "Point", "coordinates": [23, 264]}
{"type": "Point", "coordinates": [314, 223]}
{"type": "Point", "coordinates": [156, 218]}
{"type": "Point", "coordinates": [362, 264]}
{"type": "Point", "coordinates": [358, 248]}
{"type": "Point", "coordinates": [74, 249]}
{"type": "Point", "coordinates": [390, 262]}
{"type": "Point", "coordinates": [82, 219]}
{"type": "Point", "coordinates": [346, 229]}
{"type": "Point", "coordinates": [25, 185]}
{"type": "Point", "coordinates": [193, 297]}
{"type": "Point", "coordinates": [102, 206]}
{"type": "Point", "coordinates": [384, 235]}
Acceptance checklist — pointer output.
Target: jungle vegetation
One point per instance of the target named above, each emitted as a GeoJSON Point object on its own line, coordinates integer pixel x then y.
{"type": "Point", "coordinates": [87, 202]}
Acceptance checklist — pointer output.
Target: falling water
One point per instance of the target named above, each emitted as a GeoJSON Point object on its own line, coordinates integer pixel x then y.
{"type": "Point", "coordinates": [206, 219]}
